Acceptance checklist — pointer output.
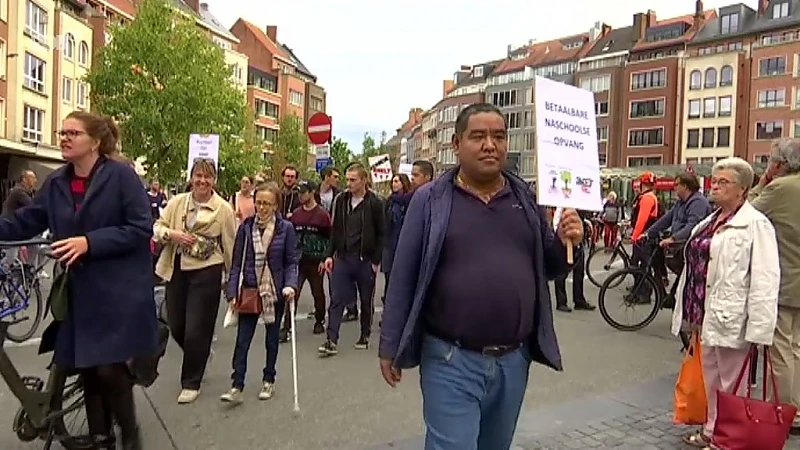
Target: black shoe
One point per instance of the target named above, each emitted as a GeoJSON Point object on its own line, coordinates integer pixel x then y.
{"type": "Point", "coordinates": [564, 308]}
{"type": "Point", "coordinates": [350, 316]}
{"type": "Point", "coordinates": [328, 349]}
{"type": "Point", "coordinates": [319, 328]}
{"type": "Point", "coordinates": [132, 442]}
{"type": "Point", "coordinates": [584, 306]}
{"type": "Point", "coordinates": [283, 336]}
{"type": "Point", "coordinates": [362, 344]}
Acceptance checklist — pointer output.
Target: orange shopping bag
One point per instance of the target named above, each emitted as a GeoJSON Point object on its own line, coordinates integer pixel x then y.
{"type": "Point", "coordinates": [691, 406]}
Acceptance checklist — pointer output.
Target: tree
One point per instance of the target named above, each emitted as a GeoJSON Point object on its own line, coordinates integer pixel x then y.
{"type": "Point", "coordinates": [291, 145]}
{"type": "Point", "coordinates": [341, 154]}
{"type": "Point", "coordinates": [162, 79]}
{"type": "Point", "coordinates": [368, 149]}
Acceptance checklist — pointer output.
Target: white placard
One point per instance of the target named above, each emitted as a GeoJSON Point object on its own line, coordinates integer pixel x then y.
{"type": "Point", "coordinates": [380, 167]}
{"type": "Point", "coordinates": [323, 151]}
{"type": "Point", "coordinates": [202, 146]}
{"type": "Point", "coordinates": [405, 168]}
{"type": "Point", "coordinates": [568, 172]}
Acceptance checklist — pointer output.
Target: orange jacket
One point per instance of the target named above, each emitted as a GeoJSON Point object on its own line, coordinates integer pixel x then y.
{"type": "Point", "coordinates": [648, 210]}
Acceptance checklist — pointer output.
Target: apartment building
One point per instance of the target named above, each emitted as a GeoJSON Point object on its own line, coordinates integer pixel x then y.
{"type": "Point", "coordinates": [427, 144]}
{"type": "Point", "coordinates": [414, 147]}
{"type": "Point", "coordinates": [510, 87]}
{"type": "Point", "coordinates": [602, 71]}
{"type": "Point", "coordinates": [655, 85]}
{"type": "Point", "coordinates": [399, 140]}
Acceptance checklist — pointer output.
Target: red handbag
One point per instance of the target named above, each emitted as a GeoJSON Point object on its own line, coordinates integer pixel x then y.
{"type": "Point", "coordinates": [745, 423]}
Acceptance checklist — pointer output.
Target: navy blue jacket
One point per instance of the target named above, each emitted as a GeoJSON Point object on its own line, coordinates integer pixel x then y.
{"type": "Point", "coordinates": [282, 257]}
{"type": "Point", "coordinates": [421, 239]}
{"type": "Point", "coordinates": [112, 315]}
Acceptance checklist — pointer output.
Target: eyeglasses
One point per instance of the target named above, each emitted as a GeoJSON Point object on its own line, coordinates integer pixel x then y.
{"type": "Point", "coordinates": [70, 133]}
{"type": "Point", "coordinates": [721, 182]}
{"type": "Point", "coordinates": [263, 204]}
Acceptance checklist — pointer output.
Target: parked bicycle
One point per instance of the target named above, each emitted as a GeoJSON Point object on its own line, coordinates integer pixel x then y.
{"type": "Point", "coordinates": [20, 291]}
{"type": "Point", "coordinates": [617, 256]}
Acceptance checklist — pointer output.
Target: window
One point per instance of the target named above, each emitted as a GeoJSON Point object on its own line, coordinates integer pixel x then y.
{"type": "Point", "coordinates": [693, 138]}
{"type": "Point", "coordinates": [725, 106]}
{"type": "Point", "coordinates": [692, 161]}
{"type": "Point", "coordinates": [81, 94]}
{"type": "Point", "coordinates": [527, 119]}
{"type": "Point", "coordinates": [69, 46]}
{"type": "Point", "coordinates": [694, 109]}
{"type": "Point", "coordinates": [295, 98]}
{"type": "Point", "coordinates": [35, 21]}
{"type": "Point", "coordinates": [710, 107]}
{"type": "Point", "coordinates": [505, 98]}
{"type": "Point", "coordinates": [649, 80]}
{"type": "Point", "coordinates": [32, 124]}
{"type": "Point", "coordinates": [708, 138]}
{"type": "Point", "coordinates": [602, 158]}
{"type": "Point", "coordinates": [695, 80]}
{"type": "Point", "coordinates": [769, 130]}
{"type": "Point", "coordinates": [723, 136]}
{"type": "Point", "coordinates": [601, 108]}
{"type": "Point", "coordinates": [513, 120]}
{"type": "Point", "coordinates": [772, 66]}
{"type": "Point", "coordinates": [771, 98]}
{"type": "Point", "coordinates": [34, 73]}
{"type": "Point", "coordinates": [780, 10]}
{"type": "Point", "coordinates": [647, 108]}
{"type": "Point", "coordinates": [646, 137]}
{"type": "Point", "coordinates": [83, 54]}
{"type": "Point", "coordinates": [643, 161]}
{"type": "Point", "coordinates": [729, 23]}
{"type": "Point", "coordinates": [711, 78]}
{"type": "Point", "coordinates": [726, 76]}
{"type": "Point", "coordinates": [478, 71]}
{"type": "Point", "coordinates": [266, 134]}
{"type": "Point", "coordinates": [600, 83]}
{"type": "Point", "coordinates": [602, 134]}
{"type": "Point", "coordinates": [66, 90]}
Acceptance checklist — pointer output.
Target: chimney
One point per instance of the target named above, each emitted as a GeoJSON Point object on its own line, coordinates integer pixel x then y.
{"type": "Point", "coordinates": [194, 4]}
{"type": "Point", "coordinates": [272, 33]}
{"type": "Point", "coordinates": [606, 29]}
{"type": "Point", "coordinates": [510, 47]}
{"type": "Point", "coordinates": [639, 27]}
{"type": "Point", "coordinates": [417, 115]}
{"type": "Point", "coordinates": [762, 6]}
{"type": "Point", "coordinates": [447, 87]}
{"type": "Point", "coordinates": [204, 6]}
{"type": "Point", "coordinates": [466, 68]}
{"type": "Point", "coordinates": [651, 19]}
{"type": "Point", "coordinates": [699, 16]}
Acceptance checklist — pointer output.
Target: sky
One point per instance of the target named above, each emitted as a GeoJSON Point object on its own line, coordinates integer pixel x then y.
{"type": "Point", "coordinates": [377, 59]}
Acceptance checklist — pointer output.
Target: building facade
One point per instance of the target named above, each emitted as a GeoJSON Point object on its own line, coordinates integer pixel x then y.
{"type": "Point", "coordinates": [427, 146]}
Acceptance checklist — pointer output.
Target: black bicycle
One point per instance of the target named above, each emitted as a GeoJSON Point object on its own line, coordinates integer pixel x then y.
{"type": "Point", "coordinates": [20, 292]}
{"type": "Point", "coordinates": [617, 256]}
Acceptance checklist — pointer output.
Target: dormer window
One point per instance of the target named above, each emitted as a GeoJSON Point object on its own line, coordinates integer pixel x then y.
{"type": "Point", "coordinates": [477, 72]}
{"type": "Point", "coordinates": [608, 45]}
{"type": "Point", "coordinates": [729, 23]}
{"type": "Point", "coordinates": [780, 9]}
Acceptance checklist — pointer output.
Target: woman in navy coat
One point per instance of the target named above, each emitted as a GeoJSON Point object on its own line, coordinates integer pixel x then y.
{"type": "Point", "coordinates": [100, 218]}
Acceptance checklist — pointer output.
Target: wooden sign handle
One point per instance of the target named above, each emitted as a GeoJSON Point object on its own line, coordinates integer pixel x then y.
{"type": "Point", "coordinates": [570, 252]}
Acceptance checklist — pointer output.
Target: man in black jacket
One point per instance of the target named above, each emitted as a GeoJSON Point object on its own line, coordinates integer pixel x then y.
{"type": "Point", "coordinates": [354, 254]}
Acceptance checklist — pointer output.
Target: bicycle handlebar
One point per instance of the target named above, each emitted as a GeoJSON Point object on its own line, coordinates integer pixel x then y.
{"type": "Point", "coordinates": [25, 243]}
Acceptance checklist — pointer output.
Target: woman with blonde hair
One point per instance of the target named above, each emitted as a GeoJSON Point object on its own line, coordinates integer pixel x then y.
{"type": "Point", "coordinates": [197, 229]}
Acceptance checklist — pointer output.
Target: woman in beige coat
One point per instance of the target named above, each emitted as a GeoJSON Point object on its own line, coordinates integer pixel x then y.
{"type": "Point", "coordinates": [197, 229]}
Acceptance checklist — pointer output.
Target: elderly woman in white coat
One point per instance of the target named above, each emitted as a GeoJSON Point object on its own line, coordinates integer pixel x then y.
{"type": "Point", "coordinates": [728, 290]}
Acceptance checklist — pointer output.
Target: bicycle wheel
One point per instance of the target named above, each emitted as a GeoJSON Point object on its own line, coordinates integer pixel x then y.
{"type": "Point", "coordinates": [68, 404]}
{"type": "Point", "coordinates": [629, 300]}
{"type": "Point", "coordinates": [595, 259]}
{"type": "Point", "coordinates": [30, 317]}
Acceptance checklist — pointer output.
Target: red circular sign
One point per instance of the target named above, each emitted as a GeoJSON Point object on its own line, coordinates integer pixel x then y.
{"type": "Point", "coordinates": [319, 129]}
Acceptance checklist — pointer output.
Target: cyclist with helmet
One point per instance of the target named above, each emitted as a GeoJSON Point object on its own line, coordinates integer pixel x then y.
{"type": "Point", "coordinates": [645, 214]}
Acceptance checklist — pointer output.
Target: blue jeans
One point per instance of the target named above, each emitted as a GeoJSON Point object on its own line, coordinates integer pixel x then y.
{"type": "Point", "coordinates": [470, 401]}
{"type": "Point", "coordinates": [244, 336]}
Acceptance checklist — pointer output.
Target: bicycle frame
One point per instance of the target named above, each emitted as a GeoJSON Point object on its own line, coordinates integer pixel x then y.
{"type": "Point", "coordinates": [10, 287]}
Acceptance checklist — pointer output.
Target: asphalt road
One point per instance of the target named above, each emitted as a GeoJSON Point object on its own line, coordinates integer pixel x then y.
{"type": "Point", "coordinates": [344, 402]}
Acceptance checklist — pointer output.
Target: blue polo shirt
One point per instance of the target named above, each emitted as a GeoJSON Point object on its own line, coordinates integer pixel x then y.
{"type": "Point", "coordinates": [483, 291]}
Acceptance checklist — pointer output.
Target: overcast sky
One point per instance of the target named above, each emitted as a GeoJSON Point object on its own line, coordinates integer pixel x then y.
{"type": "Point", "coordinates": [377, 59]}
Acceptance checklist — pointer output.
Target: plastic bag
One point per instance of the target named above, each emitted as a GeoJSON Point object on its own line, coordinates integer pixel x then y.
{"type": "Point", "coordinates": [231, 317]}
{"type": "Point", "coordinates": [691, 406]}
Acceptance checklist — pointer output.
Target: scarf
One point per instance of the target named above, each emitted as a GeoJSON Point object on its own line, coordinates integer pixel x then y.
{"type": "Point", "coordinates": [266, 285]}
{"type": "Point", "coordinates": [397, 208]}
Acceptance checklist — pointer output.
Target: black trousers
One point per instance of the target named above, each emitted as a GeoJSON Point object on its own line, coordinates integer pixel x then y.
{"type": "Point", "coordinates": [308, 270]}
{"type": "Point", "coordinates": [641, 254]}
{"type": "Point", "coordinates": [193, 299]}
{"type": "Point", "coordinates": [108, 395]}
{"type": "Point", "coordinates": [577, 285]}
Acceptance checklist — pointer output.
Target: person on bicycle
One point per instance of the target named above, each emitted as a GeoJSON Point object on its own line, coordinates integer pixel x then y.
{"type": "Point", "coordinates": [645, 214]}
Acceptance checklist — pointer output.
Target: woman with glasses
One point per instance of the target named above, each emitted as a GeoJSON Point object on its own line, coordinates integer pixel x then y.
{"type": "Point", "coordinates": [264, 268]}
{"type": "Point", "coordinates": [197, 229]}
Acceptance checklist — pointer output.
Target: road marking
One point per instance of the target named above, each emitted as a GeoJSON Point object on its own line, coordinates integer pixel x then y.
{"type": "Point", "coordinates": [319, 128]}
{"type": "Point", "coordinates": [30, 342]}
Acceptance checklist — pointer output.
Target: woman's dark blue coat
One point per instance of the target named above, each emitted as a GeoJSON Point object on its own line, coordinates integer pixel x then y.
{"type": "Point", "coordinates": [111, 316]}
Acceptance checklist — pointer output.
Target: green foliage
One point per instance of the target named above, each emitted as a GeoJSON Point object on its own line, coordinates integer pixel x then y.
{"type": "Point", "coordinates": [291, 145]}
{"type": "Point", "coordinates": [162, 79]}
{"type": "Point", "coordinates": [341, 154]}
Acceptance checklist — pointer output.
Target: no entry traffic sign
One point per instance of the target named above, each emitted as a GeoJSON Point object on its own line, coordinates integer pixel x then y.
{"type": "Point", "coordinates": [319, 128]}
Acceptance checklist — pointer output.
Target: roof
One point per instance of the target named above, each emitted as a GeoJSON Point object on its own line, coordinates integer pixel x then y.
{"type": "Point", "coordinates": [712, 31]}
{"type": "Point", "coordinates": [488, 69]}
{"type": "Point", "coordinates": [265, 41]}
{"type": "Point", "coordinates": [617, 40]}
{"type": "Point", "coordinates": [543, 53]}
{"type": "Point", "coordinates": [215, 25]}
{"type": "Point", "coordinates": [766, 23]}
{"type": "Point", "coordinates": [126, 6]}
{"type": "Point", "coordinates": [687, 19]}
{"type": "Point", "coordinates": [300, 66]}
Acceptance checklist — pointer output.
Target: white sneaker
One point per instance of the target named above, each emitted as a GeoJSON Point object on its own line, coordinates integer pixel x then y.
{"type": "Point", "coordinates": [233, 396]}
{"type": "Point", "coordinates": [43, 275]}
{"type": "Point", "coordinates": [188, 396]}
{"type": "Point", "coordinates": [267, 391]}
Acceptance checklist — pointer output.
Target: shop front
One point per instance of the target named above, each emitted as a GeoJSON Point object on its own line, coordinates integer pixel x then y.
{"type": "Point", "coordinates": [16, 157]}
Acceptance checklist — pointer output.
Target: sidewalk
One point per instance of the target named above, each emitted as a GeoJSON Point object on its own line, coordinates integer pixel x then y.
{"type": "Point", "coordinates": [638, 417]}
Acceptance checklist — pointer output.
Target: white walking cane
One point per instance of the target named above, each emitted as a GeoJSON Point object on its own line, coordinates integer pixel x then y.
{"type": "Point", "coordinates": [294, 358]}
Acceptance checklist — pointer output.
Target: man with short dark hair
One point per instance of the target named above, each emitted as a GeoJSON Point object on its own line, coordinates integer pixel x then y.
{"type": "Point", "coordinates": [20, 196]}
{"type": "Point", "coordinates": [290, 198]}
{"type": "Point", "coordinates": [691, 207]}
{"type": "Point", "coordinates": [421, 172]}
{"type": "Point", "coordinates": [468, 299]}
{"type": "Point", "coordinates": [329, 188]}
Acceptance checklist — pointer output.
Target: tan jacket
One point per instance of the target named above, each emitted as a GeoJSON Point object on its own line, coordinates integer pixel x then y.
{"type": "Point", "coordinates": [780, 202]}
{"type": "Point", "coordinates": [215, 219]}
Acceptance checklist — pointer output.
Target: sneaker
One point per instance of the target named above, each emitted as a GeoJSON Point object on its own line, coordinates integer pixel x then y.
{"type": "Point", "coordinates": [283, 336]}
{"type": "Point", "coordinates": [319, 328]}
{"type": "Point", "coordinates": [328, 349]}
{"type": "Point", "coordinates": [267, 391]}
{"type": "Point", "coordinates": [188, 396]}
{"type": "Point", "coordinates": [362, 344]}
{"type": "Point", "coordinates": [233, 396]}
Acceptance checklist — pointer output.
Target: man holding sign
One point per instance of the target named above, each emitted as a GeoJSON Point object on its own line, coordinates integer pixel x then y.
{"type": "Point", "coordinates": [468, 300]}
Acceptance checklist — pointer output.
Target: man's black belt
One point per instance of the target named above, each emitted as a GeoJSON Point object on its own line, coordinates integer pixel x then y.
{"type": "Point", "coordinates": [495, 351]}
